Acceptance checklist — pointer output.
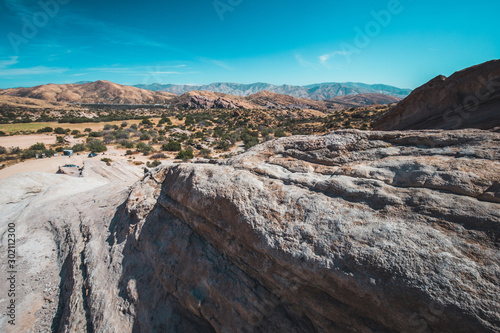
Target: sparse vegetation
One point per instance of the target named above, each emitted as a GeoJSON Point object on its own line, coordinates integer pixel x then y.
{"type": "Point", "coordinates": [188, 133]}
{"type": "Point", "coordinates": [107, 161]}
{"type": "Point", "coordinates": [153, 164]}
{"type": "Point", "coordinates": [185, 154]}
{"type": "Point", "coordinates": [172, 146]}
{"type": "Point", "coordinates": [96, 146]}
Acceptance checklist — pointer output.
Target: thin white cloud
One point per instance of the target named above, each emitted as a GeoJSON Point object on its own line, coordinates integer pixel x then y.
{"type": "Point", "coordinates": [215, 62]}
{"type": "Point", "coordinates": [113, 33]}
{"type": "Point", "coordinates": [11, 61]}
{"type": "Point", "coordinates": [38, 70]}
{"type": "Point", "coordinates": [304, 63]}
{"type": "Point", "coordinates": [18, 8]}
{"type": "Point", "coordinates": [139, 70]}
{"type": "Point", "coordinates": [221, 64]}
{"type": "Point", "coordinates": [173, 73]}
{"type": "Point", "coordinates": [323, 59]}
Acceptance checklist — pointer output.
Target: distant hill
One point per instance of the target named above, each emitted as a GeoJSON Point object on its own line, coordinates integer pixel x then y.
{"type": "Point", "coordinates": [319, 92]}
{"type": "Point", "coordinates": [105, 92]}
{"type": "Point", "coordinates": [469, 98]}
{"type": "Point", "coordinates": [344, 102]}
{"type": "Point", "coordinates": [93, 92]}
{"type": "Point", "coordinates": [271, 100]}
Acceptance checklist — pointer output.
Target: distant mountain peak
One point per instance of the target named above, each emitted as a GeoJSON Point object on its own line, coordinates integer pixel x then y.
{"type": "Point", "coordinates": [319, 91]}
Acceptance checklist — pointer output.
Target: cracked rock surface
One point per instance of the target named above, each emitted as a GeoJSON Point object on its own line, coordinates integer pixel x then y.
{"type": "Point", "coordinates": [348, 232]}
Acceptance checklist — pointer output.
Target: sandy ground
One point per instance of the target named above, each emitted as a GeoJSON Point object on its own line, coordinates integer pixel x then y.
{"type": "Point", "coordinates": [26, 141]}
{"type": "Point", "coordinates": [51, 165]}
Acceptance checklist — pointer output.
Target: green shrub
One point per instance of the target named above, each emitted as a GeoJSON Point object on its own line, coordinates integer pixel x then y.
{"type": "Point", "coordinates": [153, 164]}
{"type": "Point", "coordinates": [107, 161]}
{"type": "Point", "coordinates": [2, 133]}
{"type": "Point", "coordinates": [224, 145]}
{"type": "Point", "coordinates": [75, 132]}
{"type": "Point", "coordinates": [3, 150]}
{"type": "Point", "coordinates": [45, 130]}
{"type": "Point", "coordinates": [127, 144]}
{"type": "Point", "coordinates": [79, 147]}
{"type": "Point", "coordinates": [37, 146]}
{"type": "Point", "coordinates": [27, 154]}
{"type": "Point", "coordinates": [145, 137]}
{"type": "Point", "coordinates": [144, 148]}
{"type": "Point", "coordinates": [189, 120]}
{"type": "Point", "coordinates": [88, 130]}
{"type": "Point", "coordinates": [205, 153]}
{"type": "Point", "coordinates": [60, 130]}
{"type": "Point", "coordinates": [97, 146]}
{"type": "Point", "coordinates": [172, 146]}
{"type": "Point", "coordinates": [249, 143]}
{"type": "Point", "coordinates": [279, 133]}
{"type": "Point", "coordinates": [59, 149]}
{"type": "Point", "coordinates": [158, 156]}
{"type": "Point", "coordinates": [185, 154]}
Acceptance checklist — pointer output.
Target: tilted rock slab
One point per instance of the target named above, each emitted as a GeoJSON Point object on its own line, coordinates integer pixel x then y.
{"type": "Point", "coordinates": [348, 232]}
{"type": "Point", "coordinates": [469, 98]}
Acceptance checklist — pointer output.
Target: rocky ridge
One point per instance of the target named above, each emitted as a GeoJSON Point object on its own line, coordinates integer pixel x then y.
{"type": "Point", "coordinates": [93, 92]}
{"type": "Point", "coordinates": [469, 98]}
{"type": "Point", "coordinates": [346, 232]}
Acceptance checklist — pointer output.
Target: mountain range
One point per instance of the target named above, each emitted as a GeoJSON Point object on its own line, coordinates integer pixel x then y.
{"type": "Point", "coordinates": [319, 92]}
{"type": "Point", "coordinates": [105, 92]}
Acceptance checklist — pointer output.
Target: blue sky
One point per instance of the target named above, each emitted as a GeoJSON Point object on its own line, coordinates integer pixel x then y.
{"type": "Point", "coordinates": [402, 43]}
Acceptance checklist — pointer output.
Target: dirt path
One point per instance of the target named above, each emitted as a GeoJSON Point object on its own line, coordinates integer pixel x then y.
{"type": "Point", "coordinates": [26, 141]}
{"type": "Point", "coordinates": [51, 165]}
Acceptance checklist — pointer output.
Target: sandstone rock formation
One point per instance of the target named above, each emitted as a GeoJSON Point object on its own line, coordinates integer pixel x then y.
{"type": "Point", "coordinates": [348, 232]}
{"type": "Point", "coordinates": [467, 99]}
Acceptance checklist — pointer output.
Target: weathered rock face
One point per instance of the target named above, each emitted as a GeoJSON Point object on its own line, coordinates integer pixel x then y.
{"type": "Point", "coordinates": [203, 102]}
{"type": "Point", "coordinates": [348, 232]}
{"type": "Point", "coordinates": [467, 99]}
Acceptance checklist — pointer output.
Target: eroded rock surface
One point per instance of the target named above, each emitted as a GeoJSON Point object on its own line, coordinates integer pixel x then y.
{"type": "Point", "coordinates": [469, 98]}
{"type": "Point", "coordinates": [348, 232]}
